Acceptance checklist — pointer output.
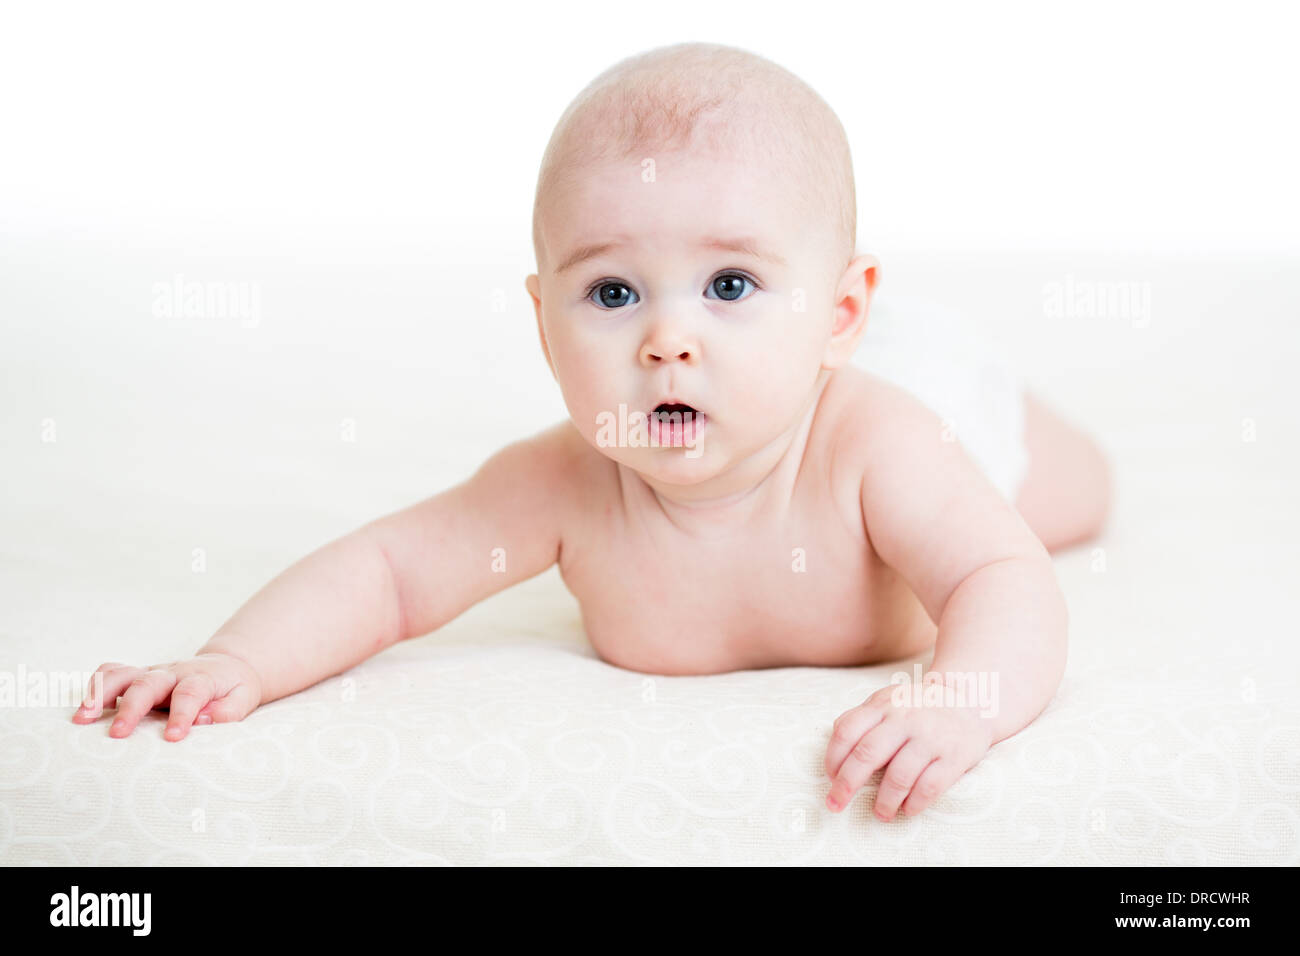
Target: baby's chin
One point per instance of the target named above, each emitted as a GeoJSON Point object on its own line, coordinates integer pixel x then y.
{"type": "Point", "coordinates": [683, 465]}
{"type": "Point", "coordinates": [675, 466]}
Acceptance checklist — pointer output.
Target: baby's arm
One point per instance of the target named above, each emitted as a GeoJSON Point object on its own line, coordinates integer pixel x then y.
{"type": "Point", "coordinates": [980, 572]}
{"type": "Point", "coordinates": [400, 576]}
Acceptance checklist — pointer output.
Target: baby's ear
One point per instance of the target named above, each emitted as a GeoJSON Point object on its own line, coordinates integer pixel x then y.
{"type": "Point", "coordinates": [852, 300]}
{"type": "Point", "coordinates": [534, 287]}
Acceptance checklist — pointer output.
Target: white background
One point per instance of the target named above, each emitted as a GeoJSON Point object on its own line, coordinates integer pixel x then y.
{"type": "Point", "coordinates": [1141, 127]}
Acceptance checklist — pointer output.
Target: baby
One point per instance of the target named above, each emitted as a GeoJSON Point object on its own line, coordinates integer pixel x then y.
{"type": "Point", "coordinates": [730, 492]}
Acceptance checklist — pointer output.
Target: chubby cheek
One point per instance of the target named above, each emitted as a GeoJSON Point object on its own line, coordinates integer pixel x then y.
{"type": "Point", "coordinates": [588, 380]}
{"type": "Point", "coordinates": [769, 409]}
{"type": "Point", "coordinates": [773, 397]}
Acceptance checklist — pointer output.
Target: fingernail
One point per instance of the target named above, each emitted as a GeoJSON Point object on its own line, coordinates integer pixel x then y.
{"type": "Point", "coordinates": [203, 719]}
{"type": "Point", "coordinates": [119, 725]}
{"type": "Point", "coordinates": [832, 803]}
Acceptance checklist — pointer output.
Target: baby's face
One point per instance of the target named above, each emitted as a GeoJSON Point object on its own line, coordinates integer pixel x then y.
{"type": "Point", "coordinates": [660, 309]}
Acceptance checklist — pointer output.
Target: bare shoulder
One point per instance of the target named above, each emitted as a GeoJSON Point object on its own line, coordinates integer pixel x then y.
{"type": "Point", "coordinates": [569, 456]}
{"type": "Point", "coordinates": [564, 475]}
{"type": "Point", "coordinates": [865, 415]}
{"type": "Point", "coordinates": [896, 447]}
{"type": "Point", "coordinates": [929, 511]}
{"type": "Point", "coordinates": [551, 467]}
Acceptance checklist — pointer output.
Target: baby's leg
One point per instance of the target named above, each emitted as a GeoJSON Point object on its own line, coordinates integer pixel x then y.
{"type": "Point", "coordinates": [1065, 497]}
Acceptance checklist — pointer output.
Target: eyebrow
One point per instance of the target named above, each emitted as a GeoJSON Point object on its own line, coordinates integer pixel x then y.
{"type": "Point", "coordinates": [746, 245]}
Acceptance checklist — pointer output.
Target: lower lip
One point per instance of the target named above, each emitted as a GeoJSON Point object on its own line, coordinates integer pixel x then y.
{"type": "Point", "coordinates": [672, 433]}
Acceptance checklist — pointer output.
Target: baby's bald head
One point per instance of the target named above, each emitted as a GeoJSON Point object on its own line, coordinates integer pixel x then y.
{"type": "Point", "coordinates": [717, 100]}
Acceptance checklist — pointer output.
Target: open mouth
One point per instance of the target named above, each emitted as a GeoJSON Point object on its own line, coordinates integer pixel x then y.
{"type": "Point", "coordinates": [676, 425]}
{"type": "Point", "coordinates": [664, 409]}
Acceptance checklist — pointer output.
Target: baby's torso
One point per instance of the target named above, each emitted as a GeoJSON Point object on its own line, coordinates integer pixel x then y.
{"type": "Point", "coordinates": [798, 585]}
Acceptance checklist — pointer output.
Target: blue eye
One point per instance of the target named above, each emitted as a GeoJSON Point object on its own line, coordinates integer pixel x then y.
{"type": "Point", "coordinates": [612, 295]}
{"type": "Point", "coordinates": [730, 286]}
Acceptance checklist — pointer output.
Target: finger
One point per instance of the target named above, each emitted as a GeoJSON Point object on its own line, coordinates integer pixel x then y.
{"type": "Point", "coordinates": [142, 695]}
{"type": "Point", "coordinates": [188, 697]}
{"type": "Point", "coordinates": [868, 755]}
{"type": "Point", "coordinates": [237, 704]}
{"type": "Point", "coordinates": [847, 731]}
{"type": "Point", "coordinates": [901, 776]}
{"type": "Point", "coordinates": [94, 696]}
{"type": "Point", "coordinates": [933, 781]}
{"type": "Point", "coordinates": [111, 679]}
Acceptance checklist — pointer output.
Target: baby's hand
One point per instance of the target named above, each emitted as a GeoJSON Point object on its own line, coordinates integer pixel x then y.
{"type": "Point", "coordinates": [204, 689]}
{"type": "Point", "coordinates": [927, 749]}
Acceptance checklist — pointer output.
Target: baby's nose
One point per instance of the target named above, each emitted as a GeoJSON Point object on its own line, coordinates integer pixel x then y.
{"type": "Point", "coordinates": [665, 345]}
{"type": "Point", "coordinates": [653, 355]}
